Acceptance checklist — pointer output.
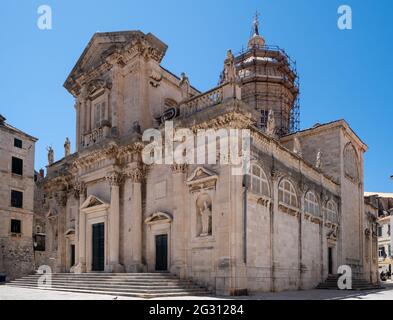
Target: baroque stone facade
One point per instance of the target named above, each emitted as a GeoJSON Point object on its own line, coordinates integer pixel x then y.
{"type": "Point", "coordinates": [294, 219]}
{"type": "Point", "coordinates": [16, 201]}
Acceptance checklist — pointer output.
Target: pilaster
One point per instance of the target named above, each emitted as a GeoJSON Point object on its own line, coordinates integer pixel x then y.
{"type": "Point", "coordinates": [178, 265]}
{"type": "Point", "coordinates": [134, 178]}
{"type": "Point", "coordinates": [114, 179]}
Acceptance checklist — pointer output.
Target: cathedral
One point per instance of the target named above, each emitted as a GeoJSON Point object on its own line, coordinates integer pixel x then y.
{"type": "Point", "coordinates": [289, 223]}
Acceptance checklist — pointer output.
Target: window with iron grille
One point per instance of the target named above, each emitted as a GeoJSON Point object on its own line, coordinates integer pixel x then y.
{"type": "Point", "coordinates": [16, 199]}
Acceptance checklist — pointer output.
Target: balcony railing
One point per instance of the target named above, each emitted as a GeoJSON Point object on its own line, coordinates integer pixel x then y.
{"type": "Point", "coordinates": [209, 99]}
{"type": "Point", "coordinates": [96, 135]}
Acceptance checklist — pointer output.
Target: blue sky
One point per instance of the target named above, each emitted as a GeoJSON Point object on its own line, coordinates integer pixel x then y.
{"type": "Point", "coordinates": [344, 74]}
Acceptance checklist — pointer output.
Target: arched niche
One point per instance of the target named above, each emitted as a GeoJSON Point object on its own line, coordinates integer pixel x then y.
{"type": "Point", "coordinates": [204, 218]}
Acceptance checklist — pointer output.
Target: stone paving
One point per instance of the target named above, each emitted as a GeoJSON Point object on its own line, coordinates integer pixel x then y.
{"type": "Point", "coordinates": [13, 293]}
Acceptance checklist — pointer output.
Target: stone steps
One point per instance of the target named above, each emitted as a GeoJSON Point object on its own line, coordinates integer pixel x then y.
{"type": "Point", "coordinates": [331, 283]}
{"type": "Point", "coordinates": [140, 285]}
{"type": "Point", "coordinates": [111, 283]}
{"type": "Point", "coordinates": [140, 279]}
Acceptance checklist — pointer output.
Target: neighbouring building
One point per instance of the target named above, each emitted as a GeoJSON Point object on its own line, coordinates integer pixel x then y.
{"type": "Point", "coordinates": [384, 204]}
{"type": "Point", "coordinates": [291, 222]}
{"type": "Point", "coordinates": [41, 255]}
{"type": "Point", "coordinates": [371, 238]}
{"type": "Point", "coordinates": [16, 201]}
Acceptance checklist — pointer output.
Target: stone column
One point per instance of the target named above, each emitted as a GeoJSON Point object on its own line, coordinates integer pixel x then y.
{"type": "Point", "coordinates": [80, 245]}
{"type": "Point", "coordinates": [136, 176]}
{"type": "Point", "coordinates": [61, 199]}
{"type": "Point", "coordinates": [114, 223]}
{"type": "Point", "coordinates": [178, 265]}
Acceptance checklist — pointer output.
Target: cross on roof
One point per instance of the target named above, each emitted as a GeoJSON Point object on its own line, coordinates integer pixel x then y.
{"type": "Point", "coordinates": [256, 23]}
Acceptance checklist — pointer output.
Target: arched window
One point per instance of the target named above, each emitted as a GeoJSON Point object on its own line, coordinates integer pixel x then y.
{"type": "Point", "coordinates": [311, 204]}
{"type": "Point", "coordinates": [259, 183]}
{"type": "Point", "coordinates": [331, 212]}
{"type": "Point", "coordinates": [287, 194]}
{"type": "Point", "coordinates": [351, 162]}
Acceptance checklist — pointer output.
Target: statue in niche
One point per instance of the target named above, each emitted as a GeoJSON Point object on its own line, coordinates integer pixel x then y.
{"type": "Point", "coordinates": [67, 147]}
{"type": "Point", "coordinates": [206, 219]}
{"type": "Point", "coordinates": [51, 155]}
{"type": "Point", "coordinates": [318, 163]}
{"type": "Point", "coordinates": [271, 124]}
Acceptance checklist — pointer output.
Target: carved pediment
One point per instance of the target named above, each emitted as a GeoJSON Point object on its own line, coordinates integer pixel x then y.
{"type": "Point", "coordinates": [103, 45]}
{"type": "Point", "coordinates": [92, 202]}
{"type": "Point", "coordinates": [159, 217]}
{"type": "Point", "coordinates": [70, 232]}
{"type": "Point", "coordinates": [200, 175]}
{"type": "Point", "coordinates": [97, 87]}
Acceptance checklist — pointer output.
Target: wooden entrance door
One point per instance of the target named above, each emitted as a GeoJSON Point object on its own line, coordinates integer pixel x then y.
{"type": "Point", "coordinates": [98, 247]}
{"type": "Point", "coordinates": [162, 252]}
{"type": "Point", "coordinates": [72, 255]}
{"type": "Point", "coordinates": [330, 260]}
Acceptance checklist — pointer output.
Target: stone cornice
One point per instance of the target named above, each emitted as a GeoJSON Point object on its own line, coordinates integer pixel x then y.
{"type": "Point", "coordinates": [110, 151]}
{"type": "Point", "coordinates": [330, 126]}
{"type": "Point", "coordinates": [58, 183]}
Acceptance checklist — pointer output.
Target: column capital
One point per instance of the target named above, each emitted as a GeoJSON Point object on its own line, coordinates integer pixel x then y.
{"type": "Point", "coordinates": [61, 198]}
{"type": "Point", "coordinates": [114, 178]}
{"type": "Point", "coordinates": [277, 174]}
{"type": "Point", "coordinates": [136, 175]}
{"type": "Point", "coordinates": [79, 189]}
{"type": "Point", "coordinates": [179, 168]}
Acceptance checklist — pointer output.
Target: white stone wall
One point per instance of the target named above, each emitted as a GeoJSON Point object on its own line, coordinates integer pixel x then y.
{"type": "Point", "coordinates": [286, 252]}
{"type": "Point", "coordinates": [312, 252]}
{"type": "Point", "coordinates": [259, 255]}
